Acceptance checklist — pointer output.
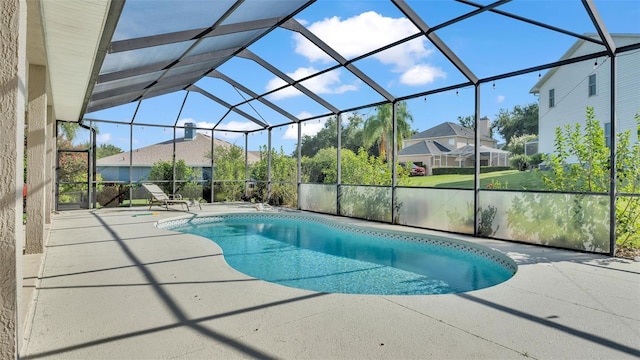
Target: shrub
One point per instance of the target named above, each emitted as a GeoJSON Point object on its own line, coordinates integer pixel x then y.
{"type": "Point", "coordinates": [581, 164]}
{"type": "Point", "coordinates": [520, 162]}
{"type": "Point", "coordinates": [536, 159]}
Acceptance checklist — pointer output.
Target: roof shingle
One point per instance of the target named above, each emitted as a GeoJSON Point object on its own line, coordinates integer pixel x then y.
{"type": "Point", "coordinates": [193, 152]}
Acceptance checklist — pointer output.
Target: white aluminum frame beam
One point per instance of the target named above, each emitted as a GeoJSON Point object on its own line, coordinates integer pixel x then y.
{"type": "Point", "coordinates": [186, 35]}
{"type": "Point", "coordinates": [293, 25]}
{"type": "Point", "coordinates": [435, 39]}
{"type": "Point", "coordinates": [251, 56]}
{"type": "Point", "coordinates": [227, 105]}
{"type": "Point", "coordinates": [218, 75]}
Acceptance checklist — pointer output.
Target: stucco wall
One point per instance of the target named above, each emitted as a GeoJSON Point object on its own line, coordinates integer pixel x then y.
{"type": "Point", "coordinates": [13, 22]}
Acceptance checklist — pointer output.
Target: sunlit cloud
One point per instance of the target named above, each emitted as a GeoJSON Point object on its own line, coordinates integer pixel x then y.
{"type": "Point", "coordinates": [421, 74]}
{"type": "Point", "coordinates": [358, 35]}
{"type": "Point", "coordinates": [291, 133]}
{"type": "Point", "coordinates": [327, 83]}
{"type": "Point", "coordinates": [123, 142]}
{"type": "Point", "coordinates": [500, 99]}
{"type": "Point", "coordinates": [369, 31]}
{"type": "Point", "coordinates": [311, 127]}
{"type": "Point", "coordinates": [235, 125]}
{"type": "Point", "coordinates": [103, 138]}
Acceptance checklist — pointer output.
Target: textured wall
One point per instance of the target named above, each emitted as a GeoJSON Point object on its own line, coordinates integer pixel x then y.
{"type": "Point", "coordinates": [36, 172]}
{"type": "Point", "coordinates": [13, 15]}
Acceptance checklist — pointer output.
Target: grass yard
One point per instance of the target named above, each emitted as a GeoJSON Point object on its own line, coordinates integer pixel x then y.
{"type": "Point", "coordinates": [510, 179]}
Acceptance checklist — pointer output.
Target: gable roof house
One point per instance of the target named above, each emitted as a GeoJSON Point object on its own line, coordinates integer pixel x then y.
{"type": "Point", "coordinates": [451, 145]}
{"type": "Point", "coordinates": [565, 92]}
{"type": "Point", "coordinates": [193, 149]}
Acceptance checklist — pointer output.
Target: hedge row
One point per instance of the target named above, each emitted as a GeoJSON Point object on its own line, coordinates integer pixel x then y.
{"type": "Point", "coordinates": [468, 170]}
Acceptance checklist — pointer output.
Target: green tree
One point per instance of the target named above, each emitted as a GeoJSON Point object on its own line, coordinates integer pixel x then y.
{"type": "Point", "coordinates": [357, 168]}
{"type": "Point", "coordinates": [468, 121]}
{"type": "Point", "coordinates": [228, 163]}
{"type": "Point", "coordinates": [68, 130]}
{"type": "Point", "coordinates": [229, 173]}
{"type": "Point", "coordinates": [104, 150]}
{"type": "Point", "coordinates": [321, 168]}
{"type": "Point", "coordinates": [519, 121]}
{"type": "Point", "coordinates": [378, 128]}
{"type": "Point", "coordinates": [352, 136]}
{"type": "Point", "coordinates": [325, 138]}
{"type": "Point", "coordinates": [163, 171]}
{"type": "Point", "coordinates": [284, 174]}
{"type": "Point", "coordinates": [517, 143]}
{"type": "Point", "coordinates": [364, 169]}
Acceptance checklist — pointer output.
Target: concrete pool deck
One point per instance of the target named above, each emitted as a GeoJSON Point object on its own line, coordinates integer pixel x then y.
{"type": "Point", "coordinates": [112, 286]}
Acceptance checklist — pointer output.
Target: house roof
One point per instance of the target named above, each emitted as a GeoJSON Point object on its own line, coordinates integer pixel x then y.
{"type": "Point", "coordinates": [425, 147]}
{"type": "Point", "coordinates": [447, 129]}
{"type": "Point", "coordinates": [470, 150]}
{"type": "Point", "coordinates": [620, 39]}
{"type": "Point", "coordinates": [193, 152]}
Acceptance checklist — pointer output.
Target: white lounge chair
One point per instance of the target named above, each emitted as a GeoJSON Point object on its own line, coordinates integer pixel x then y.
{"type": "Point", "coordinates": [161, 198]}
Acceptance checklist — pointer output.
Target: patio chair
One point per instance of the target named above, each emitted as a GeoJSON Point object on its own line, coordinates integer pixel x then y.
{"type": "Point", "coordinates": [161, 198]}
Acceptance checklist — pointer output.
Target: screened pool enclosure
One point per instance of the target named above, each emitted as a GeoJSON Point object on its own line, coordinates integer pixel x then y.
{"type": "Point", "coordinates": [325, 106]}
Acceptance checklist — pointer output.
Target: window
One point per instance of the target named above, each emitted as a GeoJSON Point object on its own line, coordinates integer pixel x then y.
{"type": "Point", "coordinates": [592, 84]}
{"type": "Point", "coordinates": [552, 98]}
{"type": "Point", "coordinates": [607, 134]}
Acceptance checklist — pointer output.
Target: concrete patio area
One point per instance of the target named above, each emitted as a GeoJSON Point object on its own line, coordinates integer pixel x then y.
{"type": "Point", "coordinates": [112, 286]}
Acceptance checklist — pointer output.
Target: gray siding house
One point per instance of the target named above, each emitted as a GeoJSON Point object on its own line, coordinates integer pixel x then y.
{"type": "Point", "coordinates": [192, 150]}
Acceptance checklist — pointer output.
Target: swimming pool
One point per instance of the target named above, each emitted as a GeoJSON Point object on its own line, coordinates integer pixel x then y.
{"type": "Point", "coordinates": [314, 253]}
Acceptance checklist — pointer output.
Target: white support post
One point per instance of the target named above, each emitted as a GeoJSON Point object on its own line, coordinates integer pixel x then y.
{"type": "Point", "coordinates": [50, 145]}
{"type": "Point", "coordinates": [36, 159]}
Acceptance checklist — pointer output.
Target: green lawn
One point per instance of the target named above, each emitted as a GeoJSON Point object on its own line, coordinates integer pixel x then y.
{"type": "Point", "coordinates": [510, 179]}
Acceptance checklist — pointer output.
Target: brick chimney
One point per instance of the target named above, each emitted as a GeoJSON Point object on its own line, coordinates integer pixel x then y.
{"type": "Point", "coordinates": [484, 126]}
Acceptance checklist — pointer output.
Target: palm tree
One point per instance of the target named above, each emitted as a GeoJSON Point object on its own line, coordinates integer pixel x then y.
{"type": "Point", "coordinates": [69, 130]}
{"type": "Point", "coordinates": [378, 128]}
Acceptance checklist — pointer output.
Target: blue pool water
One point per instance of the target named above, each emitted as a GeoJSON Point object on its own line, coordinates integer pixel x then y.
{"type": "Point", "coordinates": [306, 254]}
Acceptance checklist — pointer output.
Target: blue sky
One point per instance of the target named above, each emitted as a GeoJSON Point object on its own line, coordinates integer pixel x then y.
{"type": "Point", "coordinates": [489, 44]}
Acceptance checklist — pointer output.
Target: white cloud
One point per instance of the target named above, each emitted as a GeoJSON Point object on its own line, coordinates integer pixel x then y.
{"type": "Point", "coordinates": [103, 138]}
{"type": "Point", "coordinates": [421, 74]}
{"type": "Point", "coordinates": [235, 125]}
{"type": "Point", "coordinates": [123, 142]}
{"type": "Point", "coordinates": [358, 35]}
{"type": "Point", "coordinates": [311, 128]}
{"type": "Point", "coordinates": [291, 133]}
{"type": "Point", "coordinates": [369, 31]}
{"type": "Point", "coordinates": [327, 83]}
{"type": "Point", "coordinates": [304, 115]}
{"type": "Point", "coordinates": [500, 99]}
{"type": "Point", "coordinates": [281, 94]}
{"type": "Point", "coordinates": [353, 37]}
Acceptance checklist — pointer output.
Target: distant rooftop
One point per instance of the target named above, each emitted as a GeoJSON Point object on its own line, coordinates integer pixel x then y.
{"type": "Point", "coordinates": [193, 152]}
{"type": "Point", "coordinates": [446, 129]}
